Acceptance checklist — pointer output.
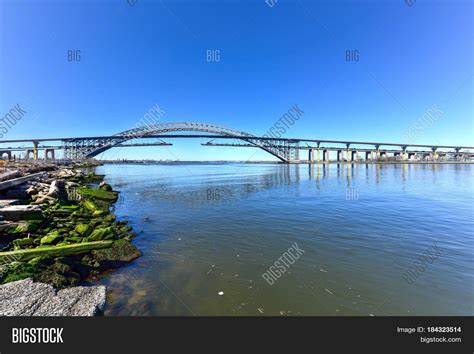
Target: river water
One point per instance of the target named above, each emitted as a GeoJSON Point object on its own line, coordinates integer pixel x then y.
{"type": "Point", "coordinates": [211, 229]}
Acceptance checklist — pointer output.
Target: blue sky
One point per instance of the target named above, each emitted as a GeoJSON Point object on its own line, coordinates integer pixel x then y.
{"type": "Point", "coordinates": [133, 57]}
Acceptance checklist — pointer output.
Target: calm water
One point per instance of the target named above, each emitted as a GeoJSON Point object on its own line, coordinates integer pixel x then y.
{"type": "Point", "coordinates": [211, 228]}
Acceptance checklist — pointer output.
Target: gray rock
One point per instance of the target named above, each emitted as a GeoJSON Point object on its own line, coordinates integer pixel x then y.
{"type": "Point", "coordinates": [32, 190]}
{"type": "Point", "coordinates": [58, 189]}
{"type": "Point", "coordinates": [27, 298]}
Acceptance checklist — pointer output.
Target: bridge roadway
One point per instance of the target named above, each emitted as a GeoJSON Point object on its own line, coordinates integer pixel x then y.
{"type": "Point", "coordinates": [213, 136]}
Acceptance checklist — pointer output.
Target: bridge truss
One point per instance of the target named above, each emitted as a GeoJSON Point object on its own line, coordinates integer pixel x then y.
{"type": "Point", "coordinates": [287, 150]}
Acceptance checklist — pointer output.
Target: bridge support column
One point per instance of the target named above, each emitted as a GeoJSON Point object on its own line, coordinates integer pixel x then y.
{"type": "Point", "coordinates": [404, 153]}
{"type": "Point", "coordinates": [49, 154]}
{"type": "Point", "coordinates": [355, 155]}
{"type": "Point", "coordinates": [311, 155]}
{"type": "Point", "coordinates": [348, 152]}
{"type": "Point", "coordinates": [368, 155]}
{"type": "Point", "coordinates": [339, 155]}
{"type": "Point", "coordinates": [319, 150]}
{"type": "Point", "coordinates": [377, 152]}
{"type": "Point", "coordinates": [435, 153]}
{"type": "Point", "coordinates": [35, 150]}
{"type": "Point", "coordinates": [457, 154]}
{"type": "Point", "coordinates": [325, 155]}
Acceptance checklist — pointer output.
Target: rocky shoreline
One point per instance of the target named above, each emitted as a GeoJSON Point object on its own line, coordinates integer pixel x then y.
{"type": "Point", "coordinates": [57, 229]}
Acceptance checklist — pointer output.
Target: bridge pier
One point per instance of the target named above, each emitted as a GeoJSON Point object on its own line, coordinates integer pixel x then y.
{"type": "Point", "coordinates": [28, 152]}
{"type": "Point", "coordinates": [377, 152]}
{"type": "Point", "coordinates": [435, 153]}
{"type": "Point", "coordinates": [319, 150]}
{"type": "Point", "coordinates": [8, 152]}
{"type": "Point", "coordinates": [355, 155]}
{"type": "Point", "coordinates": [35, 150]}
{"type": "Point", "coordinates": [311, 155]}
{"type": "Point", "coordinates": [404, 153]}
{"type": "Point", "coordinates": [368, 156]}
{"type": "Point", "coordinates": [49, 154]}
{"type": "Point", "coordinates": [348, 146]}
{"type": "Point", "coordinates": [339, 155]}
{"type": "Point", "coordinates": [325, 155]}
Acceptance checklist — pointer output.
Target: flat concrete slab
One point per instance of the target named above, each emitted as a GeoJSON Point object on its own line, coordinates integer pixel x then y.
{"type": "Point", "coordinates": [7, 202]}
{"type": "Point", "coordinates": [20, 180]}
{"type": "Point", "coordinates": [20, 212]}
{"type": "Point", "coordinates": [9, 175]}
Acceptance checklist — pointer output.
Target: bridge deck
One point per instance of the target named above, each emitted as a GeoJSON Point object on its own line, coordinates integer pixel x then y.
{"type": "Point", "coordinates": [213, 136]}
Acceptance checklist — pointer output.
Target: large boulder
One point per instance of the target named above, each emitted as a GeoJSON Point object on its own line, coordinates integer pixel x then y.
{"type": "Point", "coordinates": [121, 251]}
{"type": "Point", "coordinates": [105, 187]}
{"type": "Point", "coordinates": [27, 298]}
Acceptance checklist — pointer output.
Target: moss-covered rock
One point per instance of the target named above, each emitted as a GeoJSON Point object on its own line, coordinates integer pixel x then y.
{"type": "Point", "coordinates": [106, 233]}
{"type": "Point", "coordinates": [20, 227]}
{"type": "Point", "coordinates": [123, 229]}
{"type": "Point", "coordinates": [49, 271]}
{"type": "Point", "coordinates": [90, 205]}
{"type": "Point", "coordinates": [18, 271]}
{"type": "Point", "coordinates": [99, 194]}
{"type": "Point", "coordinates": [51, 238]}
{"type": "Point", "coordinates": [74, 239]}
{"type": "Point", "coordinates": [23, 242]}
{"type": "Point", "coordinates": [110, 217]}
{"type": "Point", "coordinates": [99, 213]}
{"type": "Point", "coordinates": [83, 229]}
{"type": "Point", "coordinates": [121, 250]}
{"type": "Point", "coordinates": [105, 187]}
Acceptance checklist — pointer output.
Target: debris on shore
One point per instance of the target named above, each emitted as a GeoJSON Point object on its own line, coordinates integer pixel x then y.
{"type": "Point", "coordinates": [58, 229]}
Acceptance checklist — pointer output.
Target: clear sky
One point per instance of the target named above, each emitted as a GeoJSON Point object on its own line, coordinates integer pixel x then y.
{"type": "Point", "coordinates": [410, 58]}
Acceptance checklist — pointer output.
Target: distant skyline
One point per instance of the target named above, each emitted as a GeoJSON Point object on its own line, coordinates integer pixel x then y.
{"type": "Point", "coordinates": [360, 71]}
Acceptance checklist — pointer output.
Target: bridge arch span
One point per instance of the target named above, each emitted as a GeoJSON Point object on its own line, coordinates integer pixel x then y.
{"type": "Point", "coordinates": [97, 146]}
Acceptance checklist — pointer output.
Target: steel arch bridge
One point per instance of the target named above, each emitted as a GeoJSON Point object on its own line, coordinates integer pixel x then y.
{"type": "Point", "coordinates": [81, 148]}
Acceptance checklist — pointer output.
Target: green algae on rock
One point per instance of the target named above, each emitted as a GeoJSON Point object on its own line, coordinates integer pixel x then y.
{"type": "Point", "coordinates": [98, 193]}
{"type": "Point", "coordinates": [69, 230]}
{"type": "Point", "coordinates": [52, 251]}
